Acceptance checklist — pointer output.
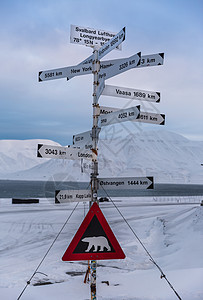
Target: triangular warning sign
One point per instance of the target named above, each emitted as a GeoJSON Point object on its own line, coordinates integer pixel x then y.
{"type": "Point", "coordinates": [94, 239]}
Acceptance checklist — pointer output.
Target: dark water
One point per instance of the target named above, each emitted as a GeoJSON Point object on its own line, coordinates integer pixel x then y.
{"type": "Point", "coordinates": [41, 189]}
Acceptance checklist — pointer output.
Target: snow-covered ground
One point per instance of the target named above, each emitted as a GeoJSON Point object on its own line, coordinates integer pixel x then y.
{"type": "Point", "coordinates": [173, 234]}
{"type": "Point", "coordinates": [167, 156]}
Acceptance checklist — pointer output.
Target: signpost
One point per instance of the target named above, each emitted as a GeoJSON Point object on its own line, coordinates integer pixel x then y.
{"type": "Point", "coordinates": [127, 183]}
{"type": "Point", "coordinates": [49, 151]}
{"type": "Point", "coordinates": [66, 196]}
{"type": "Point", "coordinates": [94, 239]}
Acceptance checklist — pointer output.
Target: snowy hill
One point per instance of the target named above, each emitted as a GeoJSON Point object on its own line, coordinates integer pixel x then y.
{"type": "Point", "coordinates": [168, 157]}
{"type": "Point", "coordinates": [18, 155]}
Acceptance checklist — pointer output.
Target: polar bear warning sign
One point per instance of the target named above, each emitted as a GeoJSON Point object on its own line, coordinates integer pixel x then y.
{"type": "Point", "coordinates": [94, 239]}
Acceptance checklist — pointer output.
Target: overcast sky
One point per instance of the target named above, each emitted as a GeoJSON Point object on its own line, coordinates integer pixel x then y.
{"type": "Point", "coordinates": [35, 36]}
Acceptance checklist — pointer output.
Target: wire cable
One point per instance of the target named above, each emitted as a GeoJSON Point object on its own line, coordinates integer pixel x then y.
{"type": "Point", "coordinates": [143, 246]}
{"type": "Point", "coordinates": [28, 282]}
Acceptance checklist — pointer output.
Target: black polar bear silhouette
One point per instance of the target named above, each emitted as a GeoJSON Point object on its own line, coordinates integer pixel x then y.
{"type": "Point", "coordinates": [96, 242]}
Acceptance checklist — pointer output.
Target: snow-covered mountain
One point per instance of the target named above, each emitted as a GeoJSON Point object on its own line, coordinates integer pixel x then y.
{"type": "Point", "coordinates": [18, 155]}
{"type": "Point", "coordinates": [166, 156]}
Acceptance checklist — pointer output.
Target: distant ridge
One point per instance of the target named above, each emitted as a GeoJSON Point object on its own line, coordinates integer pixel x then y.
{"type": "Point", "coordinates": [167, 156]}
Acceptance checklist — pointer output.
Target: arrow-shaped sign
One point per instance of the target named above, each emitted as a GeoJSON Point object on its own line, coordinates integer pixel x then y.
{"type": "Point", "coordinates": [152, 60]}
{"type": "Point", "coordinates": [65, 196]}
{"type": "Point", "coordinates": [144, 117]}
{"type": "Point", "coordinates": [65, 72]}
{"type": "Point", "coordinates": [123, 92]}
{"type": "Point", "coordinates": [126, 183]}
{"type": "Point", "coordinates": [145, 61]}
{"type": "Point", "coordinates": [120, 66]}
{"type": "Point", "coordinates": [80, 138]}
{"type": "Point", "coordinates": [73, 153]}
{"type": "Point", "coordinates": [112, 44]}
{"type": "Point", "coordinates": [110, 68]}
{"type": "Point", "coordinates": [148, 60]}
{"type": "Point", "coordinates": [85, 67]}
{"type": "Point", "coordinates": [84, 139]}
{"type": "Point", "coordinates": [104, 65]}
{"type": "Point", "coordinates": [122, 115]}
{"type": "Point", "coordinates": [148, 117]}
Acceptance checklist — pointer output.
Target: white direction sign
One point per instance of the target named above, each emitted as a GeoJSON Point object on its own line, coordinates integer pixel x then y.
{"type": "Point", "coordinates": [104, 110]}
{"type": "Point", "coordinates": [90, 36]}
{"type": "Point", "coordinates": [123, 92]}
{"type": "Point", "coordinates": [73, 153]}
{"type": "Point", "coordinates": [68, 72]}
{"type": "Point", "coordinates": [66, 196]}
{"type": "Point", "coordinates": [152, 60]}
{"type": "Point", "coordinates": [122, 115]}
{"type": "Point", "coordinates": [112, 44]}
{"type": "Point", "coordinates": [108, 68]}
{"type": "Point", "coordinates": [144, 117]}
{"type": "Point", "coordinates": [126, 183]}
{"type": "Point", "coordinates": [121, 65]}
{"type": "Point", "coordinates": [83, 140]}
{"type": "Point", "coordinates": [152, 118]}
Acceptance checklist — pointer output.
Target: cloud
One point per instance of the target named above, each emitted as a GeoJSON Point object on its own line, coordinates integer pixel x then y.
{"type": "Point", "coordinates": [35, 37]}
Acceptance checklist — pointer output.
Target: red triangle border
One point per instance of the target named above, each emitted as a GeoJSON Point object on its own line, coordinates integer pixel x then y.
{"type": "Point", "coordinates": [70, 256]}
